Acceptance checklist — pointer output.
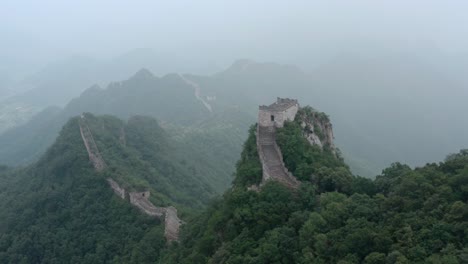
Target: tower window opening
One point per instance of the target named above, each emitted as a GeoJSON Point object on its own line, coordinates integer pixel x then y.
{"type": "Point", "coordinates": [272, 118]}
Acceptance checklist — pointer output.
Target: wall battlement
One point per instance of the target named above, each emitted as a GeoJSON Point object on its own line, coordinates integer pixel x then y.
{"type": "Point", "coordinates": [284, 109]}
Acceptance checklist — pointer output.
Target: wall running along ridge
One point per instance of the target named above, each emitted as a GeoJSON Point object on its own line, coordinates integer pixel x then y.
{"type": "Point", "coordinates": [138, 199]}
{"type": "Point", "coordinates": [93, 151]}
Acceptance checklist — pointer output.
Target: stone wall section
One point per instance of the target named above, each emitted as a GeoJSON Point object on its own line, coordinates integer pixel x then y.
{"type": "Point", "coordinates": [88, 140]}
{"type": "Point", "coordinates": [171, 231]}
{"type": "Point", "coordinates": [168, 214]}
{"type": "Point", "coordinates": [269, 118]}
{"type": "Point", "coordinates": [117, 189]}
{"type": "Point", "coordinates": [138, 199]}
{"type": "Point", "coordinates": [273, 167]}
{"type": "Point", "coordinates": [272, 117]}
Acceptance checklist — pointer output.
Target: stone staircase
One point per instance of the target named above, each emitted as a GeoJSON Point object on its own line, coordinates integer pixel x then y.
{"type": "Point", "coordinates": [272, 159]}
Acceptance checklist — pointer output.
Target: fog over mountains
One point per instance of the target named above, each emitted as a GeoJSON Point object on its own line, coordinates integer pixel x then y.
{"type": "Point", "coordinates": [385, 108]}
{"type": "Point", "coordinates": [206, 131]}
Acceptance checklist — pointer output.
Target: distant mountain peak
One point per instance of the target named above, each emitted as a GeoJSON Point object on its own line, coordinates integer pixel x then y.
{"type": "Point", "coordinates": [91, 91]}
{"type": "Point", "coordinates": [143, 73]}
{"type": "Point", "coordinates": [241, 65]}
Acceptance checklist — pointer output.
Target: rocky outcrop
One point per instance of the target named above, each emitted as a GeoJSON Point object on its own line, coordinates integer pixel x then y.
{"type": "Point", "coordinates": [317, 128]}
{"type": "Point", "coordinates": [271, 158]}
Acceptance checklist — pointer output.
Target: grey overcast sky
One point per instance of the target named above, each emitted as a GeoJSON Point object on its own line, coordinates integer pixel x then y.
{"type": "Point", "coordinates": [264, 30]}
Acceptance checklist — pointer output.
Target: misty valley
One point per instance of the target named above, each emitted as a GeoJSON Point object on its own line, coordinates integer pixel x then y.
{"type": "Point", "coordinates": [143, 135]}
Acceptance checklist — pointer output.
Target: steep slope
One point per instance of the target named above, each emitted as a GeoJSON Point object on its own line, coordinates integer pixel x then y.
{"type": "Point", "coordinates": [29, 141]}
{"type": "Point", "coordinates": [61, 209]}
{"type": "Point", "coordinates": [399, 103]}
{"type": "Point", "coordinates": [59, 82]}
{"type": "Point", "coordinates": [169, 99]}
{"type": "Point", "coordinates": [14, 113]}
{"type": "Point", "coordinates": [404, 216]}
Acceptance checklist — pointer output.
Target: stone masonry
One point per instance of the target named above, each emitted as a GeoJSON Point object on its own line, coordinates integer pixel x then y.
{"type": "Point", "coordinates": [271, 117]}
{"type": "Point", "coordinates": [93, 151]}
{"type": "Point", "coordinates": [169, 214]}
{"type": "Point", "coordinates": [117, 189]}
{"type": "Point", "coordinates": [140, 200]}
{"type": "Point", "coordinates": [284, 109]}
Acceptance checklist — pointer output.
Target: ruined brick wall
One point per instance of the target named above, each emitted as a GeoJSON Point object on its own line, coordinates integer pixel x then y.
{"type": "Point", "coordinates": [172, 221]}
{"type": "Point", "coordinates": [140, 200]}
{"type": "Point", "coordinates": [117, 189]}
{"type": "Point", "coordinates": [271, 158]}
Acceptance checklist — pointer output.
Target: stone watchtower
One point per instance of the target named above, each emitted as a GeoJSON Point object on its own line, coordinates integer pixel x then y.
{"type": "Point", "coordinates": [269, 118]}
{"type": "Point", "coordinates": [274, 115]}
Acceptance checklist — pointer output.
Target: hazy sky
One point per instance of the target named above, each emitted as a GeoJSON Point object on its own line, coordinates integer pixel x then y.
{"type": "Point", "coordinates": [285, 31]}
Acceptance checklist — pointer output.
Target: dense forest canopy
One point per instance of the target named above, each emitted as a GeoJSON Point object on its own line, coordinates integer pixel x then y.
{"type": "Point", "coordinates": [403, 216]}
{"type": "Point", "coordinates": [60, 210]}
{"type": "Point", "coordinates": [128, 135]}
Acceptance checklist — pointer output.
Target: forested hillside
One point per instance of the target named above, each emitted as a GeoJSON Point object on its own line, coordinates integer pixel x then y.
{"type": "Point", "coordinates": [385, 106]}
{"type": "Point", "coordinates": [403, 216]}
{"type": "Point", "coordinates": [169, 99]}
{"type": "Point", "coordinates": [60, 210]}
{"type": "Point", "coordinates": [396, 129]}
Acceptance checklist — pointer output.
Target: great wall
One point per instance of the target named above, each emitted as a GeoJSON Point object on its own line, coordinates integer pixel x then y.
{"type": "Point", "coordinates": [271, 158]}
{"type": "Point", "coordinates": [88, 140]}
{"type": "Point", "coordinates": [269, 118]}
{"type": "Point", "coordinates": [273, 168]}
{"type": "Point", "coordinates": [274, 116]}
{"type": "Point", "coordinates": [197, 90]}
{"type": "Point", "coordinates": [138, 199]}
